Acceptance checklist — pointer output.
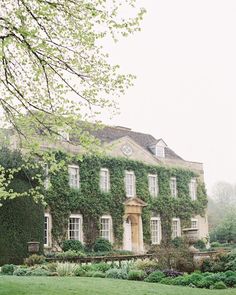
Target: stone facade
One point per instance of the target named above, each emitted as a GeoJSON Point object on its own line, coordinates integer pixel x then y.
{"type": "Point", "coordinates": [121, 142]}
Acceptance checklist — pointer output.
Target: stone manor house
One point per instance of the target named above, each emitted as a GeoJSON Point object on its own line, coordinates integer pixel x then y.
{"type": "Point", "coordinates": [121, 142]}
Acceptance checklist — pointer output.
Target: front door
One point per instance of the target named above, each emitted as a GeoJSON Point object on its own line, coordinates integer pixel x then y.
{"type": "Point", "coordinates": [127, 235]}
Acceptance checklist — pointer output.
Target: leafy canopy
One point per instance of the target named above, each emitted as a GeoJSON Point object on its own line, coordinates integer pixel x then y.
{"type": "Point", "coordinates": [54, 71]}
{"type": "Point", "coordinates": [52, 64]}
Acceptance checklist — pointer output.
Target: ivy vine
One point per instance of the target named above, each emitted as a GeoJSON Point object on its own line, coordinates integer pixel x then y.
{"type": "Point", "coordinates": [89, 201]}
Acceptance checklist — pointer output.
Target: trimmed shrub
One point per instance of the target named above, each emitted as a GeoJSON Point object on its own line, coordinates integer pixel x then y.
{"type": "Point", "coordinates": [155, 277]}
{"type": "Point", "coordinates": [219, 285]}
{"type": "Point", "coordinates": [72, 245]}
{"type": "Point", "coordinates": [8, 269]}
{"type": "Point", "coordinates": [116, 273]}
{"type": "Point", "coordinates": [136, 275]}
{"type": "Point", "coordinates": [34, 259]}
{"type": "Point", "coordinates": [102, 245]}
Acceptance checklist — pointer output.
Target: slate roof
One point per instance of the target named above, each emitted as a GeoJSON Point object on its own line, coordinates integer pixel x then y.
{"type": "Point", "coordinates": [109, 134]}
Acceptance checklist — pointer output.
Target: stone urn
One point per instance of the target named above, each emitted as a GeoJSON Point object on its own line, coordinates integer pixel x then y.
{"type": "Point", "coordinates": [33, 247]}
{"type": "Point", "coordinates": [191, 234]}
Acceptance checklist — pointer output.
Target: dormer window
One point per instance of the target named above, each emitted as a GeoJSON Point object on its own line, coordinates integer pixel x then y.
{"type": "Point", "coordinates": [158, 148]}
{"type": "Point", "coordinates": [160, 151]}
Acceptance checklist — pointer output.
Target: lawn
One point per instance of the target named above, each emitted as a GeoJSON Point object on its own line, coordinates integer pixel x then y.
{"type": "Point", "coordinates": [12, 285]}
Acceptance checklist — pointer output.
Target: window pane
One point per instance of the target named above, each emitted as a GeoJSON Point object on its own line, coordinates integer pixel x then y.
{"type": "Point", "coordinates": [155, 231]}
{"type": "Point", "coordinates": [74, 177]}
{"type": "Point", "coordinates": [105, 229]}
{"type": "Point", "coordinates": [153, 186]}
{"type": "Point", "coordinates": [74, 228]}
{"type": "Point", "coordinates": [104, 180]}
{"type": "Point", "coordinates": [129, 184]}
{"type": "Point", "coordinates": [173, 186]}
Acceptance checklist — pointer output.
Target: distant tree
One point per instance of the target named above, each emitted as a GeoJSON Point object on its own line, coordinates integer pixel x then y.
{"type": "Point", "coordinates": [224, 193]}
{"type": "Point", "coordinates": [222, 212]}
{"type": "Point", "coordinates": [226, 230]}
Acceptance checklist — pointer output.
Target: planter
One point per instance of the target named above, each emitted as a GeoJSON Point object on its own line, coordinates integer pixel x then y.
{"type": "Point", "coordinates": [33, 247]}
{"type": "Point", "coordinates": [191, 234]}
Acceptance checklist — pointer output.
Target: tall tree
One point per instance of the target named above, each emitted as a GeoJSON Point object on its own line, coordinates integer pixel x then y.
{"type": "Point", "coordinates": [54, 71]}
{"type": "Point", "coordinates": [52, 64]}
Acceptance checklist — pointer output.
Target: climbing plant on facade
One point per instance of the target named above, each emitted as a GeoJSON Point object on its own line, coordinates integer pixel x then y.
{"type": "Point", "coordinates": [89, 201]}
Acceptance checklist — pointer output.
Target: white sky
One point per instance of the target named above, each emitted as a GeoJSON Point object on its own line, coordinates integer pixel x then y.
{"type": "Point", "coordinates": [185, 62]}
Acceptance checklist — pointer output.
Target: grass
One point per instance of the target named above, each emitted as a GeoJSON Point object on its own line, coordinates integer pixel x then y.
{"type": "Point", "coordinates": [11, 285]}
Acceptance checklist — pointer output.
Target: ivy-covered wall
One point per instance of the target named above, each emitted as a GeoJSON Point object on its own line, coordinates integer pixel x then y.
{"type": "Point", "coordinates": [92, 203]}
{"type": "Point", "coordinates": [21, 219]}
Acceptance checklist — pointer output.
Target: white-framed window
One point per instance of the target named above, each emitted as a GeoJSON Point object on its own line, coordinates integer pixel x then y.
{"type": "Point", "coordinates": [104, 180]}
{"type": "Point", "coordinates": [73, 171]}
{"type": "Point", "coordinates": [173, 187]}
{"type": "Point", "coordinates": [194, 223]}
{"type": "Point", "coordinates": [176, 229]}
{"type": "Point", "coordinates": [129, 184]}
{"type": "Point", "coordinates": [155, 230]}
{"type": "Point", "coordinates": [160, 151]}
{"type": "Point", "coordinates": [75, 227]}
{"type": "Point", "coordinates": [46, 229]}
{"type": "Point", "coordinates": [153, 185]}
{"type": "Point", "coordinates": [106, 227]}
{"type": "Point", "coordinates": [193, 189]}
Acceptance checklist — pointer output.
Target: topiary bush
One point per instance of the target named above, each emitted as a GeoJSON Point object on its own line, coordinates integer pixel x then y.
{"type": "Point", "coordinates": [72, 245]}
{"type": "Point", "coordinates": [8, 269]}
{"type": "Point", "coordinates": [136, 275]}
{"type": "Point", "coordinates": [34, 259]}
{"type": "Point", "coordinates": [102, 245]}
{"type": "Point", "coordinates": [155, 277]}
